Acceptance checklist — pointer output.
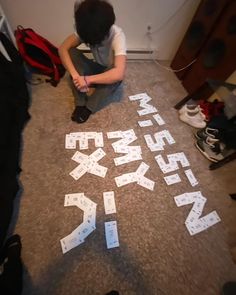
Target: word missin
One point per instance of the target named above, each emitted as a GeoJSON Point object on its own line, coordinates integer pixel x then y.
{"type": "Point", "coordinates": [194, 223]}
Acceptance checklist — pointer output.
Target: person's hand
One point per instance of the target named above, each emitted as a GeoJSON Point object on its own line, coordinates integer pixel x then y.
{"type": "Point", "coordinates": [80, 83]}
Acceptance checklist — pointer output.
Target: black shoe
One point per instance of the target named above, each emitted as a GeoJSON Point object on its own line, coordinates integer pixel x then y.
{"type": "Point", "coordinates": [113, 293]}
{"type": "Point", "coordinates": [76, 112]}
{"type": "Point", "coordinates": [80, 114]}
{"type": "Point", "coordinates": [11, 249]}
{"type": "Point", "coordinates": [204, 133]}
{"type": "Point", "coordinates": [229, 288]}
{"type": "Point", "coordinates": [211, 148]}
{"type": "Point", "coordinates": [14, 246]}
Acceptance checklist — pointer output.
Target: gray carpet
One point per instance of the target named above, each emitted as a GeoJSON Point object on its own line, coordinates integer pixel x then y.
{"type": "Point", "coordinates": [156, 254]}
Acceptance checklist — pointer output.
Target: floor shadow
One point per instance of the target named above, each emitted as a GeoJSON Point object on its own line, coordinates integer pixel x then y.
{"type": "Point", "coordinates": [122, 262]}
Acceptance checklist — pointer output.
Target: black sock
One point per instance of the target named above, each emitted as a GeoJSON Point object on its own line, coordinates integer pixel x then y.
{"type": "Point", "coordinates": [81, 114]}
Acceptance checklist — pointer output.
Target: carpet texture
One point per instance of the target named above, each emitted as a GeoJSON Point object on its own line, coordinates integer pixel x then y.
{"type": "Point", "coordinates": [156, 254]}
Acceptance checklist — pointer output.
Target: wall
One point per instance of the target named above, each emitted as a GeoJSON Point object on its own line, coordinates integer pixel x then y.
{"type": "Point", "coordinates": [54, 20]}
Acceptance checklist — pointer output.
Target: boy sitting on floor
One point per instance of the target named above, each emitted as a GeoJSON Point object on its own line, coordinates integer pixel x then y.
{"type": "Point", "coordinates": [94, 22]}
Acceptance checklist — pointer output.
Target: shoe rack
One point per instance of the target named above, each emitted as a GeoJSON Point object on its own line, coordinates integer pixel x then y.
{"type": "Point", "coordinates": [211, 40]}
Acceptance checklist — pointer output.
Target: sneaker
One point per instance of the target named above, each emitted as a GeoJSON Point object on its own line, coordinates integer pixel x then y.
{"type": "Point", "coordinates": [193, 119]}
{"type": "Point", "coordinates": [204, 133]}
{"type": "Point", "coordinates": [191, 108]}
{"type": "Point", "coordinates": [211, 148]}
{"type": "Point", "coordinates": [80, 114]}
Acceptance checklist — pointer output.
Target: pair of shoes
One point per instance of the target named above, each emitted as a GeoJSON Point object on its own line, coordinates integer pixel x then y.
{"type": "Point", "coordinates": [209, 144]}
{"type": "Point", "coordinates": [80, 114]}
{"type": "Point", "coordinates": [193, 116]}
{"type": "Point", "coordinates": [207, 132]}
{"type": "Point", "coordinates": [211, 148]}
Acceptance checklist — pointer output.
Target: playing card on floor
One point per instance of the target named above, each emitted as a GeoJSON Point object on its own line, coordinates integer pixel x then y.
{"type": "Point", "coordinates": [111, 233]}
{"type": "Point", "coordinates": [109, 202]}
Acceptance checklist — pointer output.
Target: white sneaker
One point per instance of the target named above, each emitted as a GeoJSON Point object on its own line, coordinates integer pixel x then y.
{"type": "Point", "coordinates": [194, 120]}
{"type": "Point", "coordinates": [191, 108]}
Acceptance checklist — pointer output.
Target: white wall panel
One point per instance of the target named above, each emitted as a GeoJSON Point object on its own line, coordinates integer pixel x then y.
{"type": "Point", "coordinates": [54, 20]}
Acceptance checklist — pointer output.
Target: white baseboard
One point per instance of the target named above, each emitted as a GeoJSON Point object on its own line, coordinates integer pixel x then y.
{"type": "Point", "coordinates": [138, 54]}
{"type": "Point", "coordinates": [133, 54]}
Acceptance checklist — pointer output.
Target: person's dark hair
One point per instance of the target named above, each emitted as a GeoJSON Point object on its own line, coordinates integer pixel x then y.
{"type": "Point", "coordinates": [93, 20]}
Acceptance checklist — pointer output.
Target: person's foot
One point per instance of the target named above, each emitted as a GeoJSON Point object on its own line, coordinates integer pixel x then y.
{"type": "Point", "coordinates": [11, 249]}
{"type": "Point", "coordinates": [80, 114]}
{"type": "Point", "coordinates": [229, 288]}
{"type": "Point", "coordinates": [76, 112]}
{"type": "Point", "coordinates": [14, 246]}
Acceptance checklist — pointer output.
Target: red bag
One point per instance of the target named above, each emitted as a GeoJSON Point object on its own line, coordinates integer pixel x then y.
{"type": "Point", "coordinates": [39, 54]}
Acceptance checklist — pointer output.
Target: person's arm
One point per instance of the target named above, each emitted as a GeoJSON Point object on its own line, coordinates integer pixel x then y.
{"type": "Point", "coordinates": [111, 76]}
{"type": "Point", "coordinates": [71, 42]}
